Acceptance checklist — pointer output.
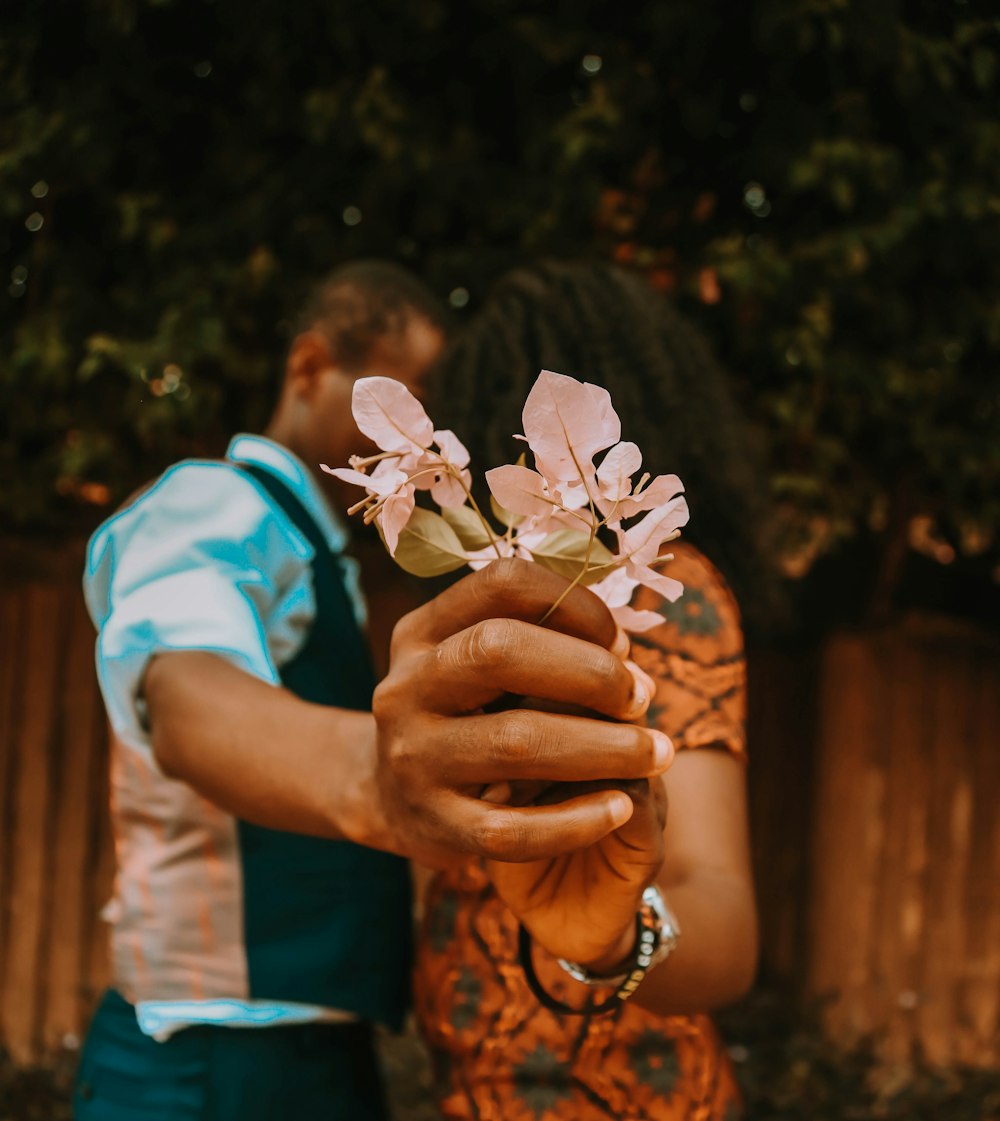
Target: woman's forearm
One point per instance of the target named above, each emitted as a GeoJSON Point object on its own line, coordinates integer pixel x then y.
{"type": "Point", "coordinates": [715, 959]}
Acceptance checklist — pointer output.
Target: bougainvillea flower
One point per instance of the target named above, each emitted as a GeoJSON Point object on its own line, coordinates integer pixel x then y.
{"type": "Point", "coordinates": [614, 476]}
{"type": "Point", "coordinates": [639, 546]}
{"type": "Point", "coordinates": [551, 514]}
{"type": "Point", "coordinates": [616, 591]}
{"type": "Point", "coordinates": [566, 423]}
{"type": "Point", "coordinates": [520, 490]}
{"type": "Point", "coordinates": [388, 414]}
{"type": "Point", "coordinates": [450, 488]}
{"type": "Point", "coordinates": [393, 515]}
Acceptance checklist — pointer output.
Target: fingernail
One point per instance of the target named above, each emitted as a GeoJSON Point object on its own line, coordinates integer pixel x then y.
{"type": "Point", "coordinates": [644, 689]}
{"type": "Point", "coordinates": [621, 645]}
{"type": "Point", "coordinates": [663, 750]}
{"type": "Point", "coordinates": [640, 697]}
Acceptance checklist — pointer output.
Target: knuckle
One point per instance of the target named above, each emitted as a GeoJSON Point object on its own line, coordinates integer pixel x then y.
{"type": "Point", "coordinates": [503, 579]}
{"type": "Point", "coordinates": [494, 642]}
{"type": "Point", "coordinates": [403, 634]}
{"type": "Point", "coordinates": [387, 699]}
{"type": "Point", "coordinates": [515, 739]}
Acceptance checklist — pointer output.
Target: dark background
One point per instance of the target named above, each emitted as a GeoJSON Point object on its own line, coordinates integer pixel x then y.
{"type": "Point", "coordinates": [817, 182]}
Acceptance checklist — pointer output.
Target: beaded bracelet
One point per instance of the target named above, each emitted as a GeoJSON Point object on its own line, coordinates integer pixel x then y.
{"type": "Point", "coordinates": [647, 925]}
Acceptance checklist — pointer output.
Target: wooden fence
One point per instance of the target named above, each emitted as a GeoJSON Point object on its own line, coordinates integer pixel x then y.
{"type": "Point", "coordinates": [875, 782]}
{"type": "Point", "coordinates": [904, 916]}
{"type": "Point", "coordinates": [55, 844]}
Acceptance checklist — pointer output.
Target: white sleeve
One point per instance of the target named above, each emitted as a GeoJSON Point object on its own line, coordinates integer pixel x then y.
{"type": "Point", "coordinates": [202, 561]}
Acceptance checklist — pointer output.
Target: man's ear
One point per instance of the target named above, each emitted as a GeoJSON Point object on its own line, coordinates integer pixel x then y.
{"type": "Point", "coordinates": [308, 357]}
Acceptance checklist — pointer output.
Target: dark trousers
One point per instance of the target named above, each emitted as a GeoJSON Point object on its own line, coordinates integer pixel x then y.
{"type": "Point", "coordinates": [303, 1072]}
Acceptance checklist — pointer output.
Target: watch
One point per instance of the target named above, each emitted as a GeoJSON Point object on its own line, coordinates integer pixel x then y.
{"type": "Point", "coordinates": [657, 933]}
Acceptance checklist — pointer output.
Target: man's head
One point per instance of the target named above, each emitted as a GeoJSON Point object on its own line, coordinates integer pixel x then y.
{"type": "Point", "coordinates": [368, 318]}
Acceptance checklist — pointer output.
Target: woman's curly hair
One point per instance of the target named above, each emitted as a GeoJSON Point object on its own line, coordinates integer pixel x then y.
{"type": "Point", "coordinates": [601, 324]}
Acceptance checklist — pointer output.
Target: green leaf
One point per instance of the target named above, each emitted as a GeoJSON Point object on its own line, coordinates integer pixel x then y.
{"type": "Point", "coordinates": [565, 552]}
{"type": "Point", "coordinates": [429, 546]}
{"type": "Point", "coordinates": [468, 526]}
{"type": "Point", "coordinates": [504, 516]}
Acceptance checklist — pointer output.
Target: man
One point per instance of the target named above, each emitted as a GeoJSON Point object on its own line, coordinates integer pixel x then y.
{"type": "Point", "coordinates": [260, 914]}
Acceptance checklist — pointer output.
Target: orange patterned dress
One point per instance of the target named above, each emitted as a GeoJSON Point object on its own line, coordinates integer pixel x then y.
{"type": "Point", "coordinates": [500, 1056]}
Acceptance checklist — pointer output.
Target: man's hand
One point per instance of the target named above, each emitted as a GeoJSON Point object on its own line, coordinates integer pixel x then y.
{"type": "Point", "coordinates": [582, 905]}
{"type": "Point", "coordinates": [438, 750]}
{"type": "Point", "coordinates": [409, 780]}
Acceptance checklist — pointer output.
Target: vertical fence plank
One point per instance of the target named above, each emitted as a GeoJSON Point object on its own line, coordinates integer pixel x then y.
{"type": "Point", "coordinates": [979, 988]}
{"type": "Point", "coordinates": [952, 717]}
{"type": "Point", "coordinates": [895, 945]}
{"type": "Point", "coordinates": [847, 834]}
{"type": "Point", "coordinates": [27, 888]}
{"type": "Point", "coordinates": [74, 812]}
{"type": "Point", "coordinates": [101, 863]}
{"type": "Point", "coordinates": [11, 664]}
{"type": "Point", "coordinates": [780, 732]}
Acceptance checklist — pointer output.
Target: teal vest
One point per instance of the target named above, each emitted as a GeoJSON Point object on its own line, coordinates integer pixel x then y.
{"type": "Point", "coordinates": [326, 922]}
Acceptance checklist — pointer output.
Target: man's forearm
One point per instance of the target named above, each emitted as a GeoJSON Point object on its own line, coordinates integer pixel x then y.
{"type": "Point", "coordinates": [263, 754]}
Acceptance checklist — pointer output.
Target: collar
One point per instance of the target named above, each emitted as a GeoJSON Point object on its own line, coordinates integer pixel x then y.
{"type": "Point", "coordinates": [273, 457]}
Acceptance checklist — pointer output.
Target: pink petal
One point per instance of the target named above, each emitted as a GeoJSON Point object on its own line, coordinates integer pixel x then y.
{"type": "Point", "coordinates": [480, 558]}
{"type": "Point", "coordinates": [519, 489]}
{"type": "Point", "coordinates": [641, 543]}
{"type": "Point", "coordinates": [388, 413]}
{"type": "Point", "coordinates": [446, 490]}
{"type": "Point", "coordinates": [659, 492]}
{"type": "Point", "coordinates": [452, 448]}
{"type": "Point", "coordinates": [669, 588]}
{"type": "Point", "coordinates": [394, 515]}
{"type": "Point", "coordinates": [573, 496]}
{"type": "Point", "coordinates": [421, 468]}
{"type": "Point", "coordinates": [614, 476]}
{"type": "Point", "coordinates": [616, 588]}
{"type": "Point", "coordinates": [531, 533]}
{"type": "Point", "coordinates": [566, 422]}
{"type": "Point", "coordinates": [636, 621]}
{"type": "Point", "coordinates": [384, 483]}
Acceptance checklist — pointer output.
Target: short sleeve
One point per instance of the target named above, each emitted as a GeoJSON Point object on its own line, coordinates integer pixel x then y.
{"type": "Point", "coordinates": [696, 658]}
{"type": "Point", "coordinates": [200, 561]}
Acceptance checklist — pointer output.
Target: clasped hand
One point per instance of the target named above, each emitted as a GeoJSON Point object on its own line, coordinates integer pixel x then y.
{"type": "Point", "coordinates": [586, 850]}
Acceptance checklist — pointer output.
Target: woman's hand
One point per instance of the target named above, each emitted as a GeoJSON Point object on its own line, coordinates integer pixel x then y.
{"type": "Point", "coordinates": [582, 905]}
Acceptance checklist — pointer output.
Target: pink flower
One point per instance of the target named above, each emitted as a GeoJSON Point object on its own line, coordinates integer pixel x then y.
{"type": "Point", "coordinates": [450, 489]}
{"type": "Point", "coordinates": [394, 514]}
{"type": "Point", "coordinates": [662, 490]}
{"type": "Point", "coordinates": [614, 476]}
{"type": "Point", "coordinates": [640, 545]}
{"type": "Point", "coordinates": [380, 482]}
{"type": "Point", "coordinates": [521, 490]}
{"type": "Point", "coordinates": [566, 423]}
{"type": "Point", "coordinates": [616, 590]}
{"type": "Point", "coordinates": [388, 413]}
{"type": "Point", "coordinates": [552, 514]}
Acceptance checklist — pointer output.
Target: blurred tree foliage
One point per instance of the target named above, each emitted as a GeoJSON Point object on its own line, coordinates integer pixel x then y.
{"type": "Point", "coordinates": [818, 180]}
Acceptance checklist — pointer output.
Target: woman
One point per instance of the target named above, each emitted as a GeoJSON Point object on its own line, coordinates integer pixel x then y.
{"type": "Point", "coordinates": [513, 1033]}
